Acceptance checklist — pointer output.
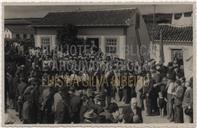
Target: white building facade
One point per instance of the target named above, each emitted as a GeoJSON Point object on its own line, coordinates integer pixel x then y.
{"type": "Point", "coordinates": [177, 42]}
{"type": "Point", "coordinates": [113, 31]}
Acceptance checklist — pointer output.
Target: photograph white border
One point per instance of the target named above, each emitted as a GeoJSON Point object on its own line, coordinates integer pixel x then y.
{"type": "Point", "coordinates": [101, 2]}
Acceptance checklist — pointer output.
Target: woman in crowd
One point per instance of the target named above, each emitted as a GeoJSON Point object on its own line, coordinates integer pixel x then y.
{"type": "Point", "coordinates": [72, 101]}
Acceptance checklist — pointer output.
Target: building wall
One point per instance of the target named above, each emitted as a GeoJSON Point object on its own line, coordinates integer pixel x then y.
{"type": "Point", "coordinates": [167, 47]}
{"type": "Point", "coordinates": [132, 46]}
{"type": "Point", "coordinates": [52, 39]}
{"type": "Point", "coordinates": [85, 31]}
{"type": "Point", "coordinates": [103, 33]}
{"type": "Point", "coordinates": [182, 21]}
{"type": "Point", "coordinates": [29, 36]}
{"type": "Point", "coordinates": [7, 34]}
{"type": "Point", "coordinates": [100, 33]}
{"type": "Point", "coordinates": [43, 33]}
{"type": "Point", "coordinates": [126, 36]}
{"type": "Point", "coordinates": [187, 49]}
{"type": "Point", "coordinates": [131, 43]}
{"type": "Point", "coordinates": [121, 46]}
{"type": "Point", "coordinates": [46, 31]}
{"type": "Point", "coordinates": [10, 35]}
{"type": "Point", "coordinates": [144, 39]}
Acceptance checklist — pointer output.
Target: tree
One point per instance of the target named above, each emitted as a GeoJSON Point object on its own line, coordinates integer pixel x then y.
{"type": "Point", "coordinates": [67, 35]}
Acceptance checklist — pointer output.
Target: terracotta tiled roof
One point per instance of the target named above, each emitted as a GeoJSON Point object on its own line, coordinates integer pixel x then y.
{"type": "Point", "coordinates": [88, 18]}
{"type": "Point", "coordinates": [171, 33]}
{"type": "Point", "coordinates": [21, 21]}
{"type": "Point", "coordinates": [24, 29]}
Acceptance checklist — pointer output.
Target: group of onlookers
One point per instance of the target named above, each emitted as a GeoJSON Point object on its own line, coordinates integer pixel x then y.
{"type": "Point", "coordinates": [158, 89]}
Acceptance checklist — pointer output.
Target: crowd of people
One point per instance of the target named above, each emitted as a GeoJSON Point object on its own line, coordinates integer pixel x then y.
{"type": "Point", "coordinates": [156, 89]}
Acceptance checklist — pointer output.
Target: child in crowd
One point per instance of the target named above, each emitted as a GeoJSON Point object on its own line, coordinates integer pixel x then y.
{"type": "Point", "coordinates": [161, 101]}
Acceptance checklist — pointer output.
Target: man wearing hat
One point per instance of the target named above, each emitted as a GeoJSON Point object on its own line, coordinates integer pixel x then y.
{"type": "Point", "coordinates": [171, 73]}
{"type": "Point", "coordinates": [178, 72]}
{"type": "Point", "coordinates": [84, 108]}
{"type": "Point", "coordinates": [61, 106]}
{"type": "Point", "coordinates": [10, 88]}
{"type": "Point", "coordinates": [188, 102]}
{"type": "Point", "coordinates": [171, 86]}
{"type": "Point", "coordinates": [178, 102]}
{"type": "Point", "coordinates": [75, 105]}
{"type": "Point", "coordinates": [157, 81]}
{"type": "Point", "coordinates": [27, 106]}
{"type": "Point", "coordinates": [20, 89]}
{"type": "Point", "coordinates": [35, 95]}
{"type": "Point", "coordinates": [90, 96]}
{"type": "Point", "coordinates": [29, 109]}
{"type": "Point", "coordinates": [46, 100]}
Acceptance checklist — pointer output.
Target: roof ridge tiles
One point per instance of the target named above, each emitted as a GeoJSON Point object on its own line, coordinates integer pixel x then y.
{"type": "Point", "coordinates": [93, 18]}
{"type": "Point", "coordinates": [173, 33]}
{"type": "Point", "coordinates": [103, 10]}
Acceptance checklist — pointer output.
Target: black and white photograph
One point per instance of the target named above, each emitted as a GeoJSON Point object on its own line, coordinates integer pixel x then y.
{"type": "Point", "coordinates": [98, 64]}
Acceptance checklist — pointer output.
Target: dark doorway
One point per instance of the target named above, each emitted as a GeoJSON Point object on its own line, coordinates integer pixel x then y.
{"type": "Point", "coordinates": [93, 41]}
{"type": "Point", "coordinates": [178, 55]}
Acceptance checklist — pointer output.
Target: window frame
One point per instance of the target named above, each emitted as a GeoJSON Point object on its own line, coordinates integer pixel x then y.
{"type": "Point", "coordinates": [173, 50]}
{"type": "Point", "coordinates": [17, 36]}
{"type": "Point", "coordinates": [45, 43]}
{"type": "Point", "coordinates": [111, 46]}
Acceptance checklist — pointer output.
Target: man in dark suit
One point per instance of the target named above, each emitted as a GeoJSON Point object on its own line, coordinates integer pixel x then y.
{"type": "Point", "coordinates": [178, 103]}
{"type": "Point", "coordinates": [20, 90]}
{"type": "Point", "coordinates": [127, 94]}
{"type": "Point", "coordinates": [75, 104]}
{"type": "Point", "coordinates": [61, 106]}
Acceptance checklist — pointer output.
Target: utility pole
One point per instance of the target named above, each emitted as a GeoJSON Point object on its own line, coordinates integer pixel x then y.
{"type": "Point", "coordinates": [153, 32]}
{"type": "Point", "coordinates": [154, 23]}
{"type": "Point", "coordinates": [161, 48]}
{"type": "Point", "coordinates": [137, 27]}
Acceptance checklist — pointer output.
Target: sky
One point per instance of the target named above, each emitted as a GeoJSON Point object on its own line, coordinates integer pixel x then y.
{"type": "Point", "coordinates": [37, 11]}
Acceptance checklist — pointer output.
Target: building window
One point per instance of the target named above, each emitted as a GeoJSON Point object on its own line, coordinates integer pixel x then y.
{"type": "Point", "coordinates": [24, 36]}
{"type": "Point", "coordinates": [177, 16]}
{"type": "Point", "coordinates": [45, 44]}
{"type": "Point", "coordinates": [111, 46]}
{"type": "Point", "coordinates": [187, 14]}
{"type": "Point", "coordinates": [17, 36]}
{"type": "Point", "coordinates": [45, 40]}
{"type": "Point", "coordinates": [93, 42]}
{"type": "Point", "coordinates": [178, 55]}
